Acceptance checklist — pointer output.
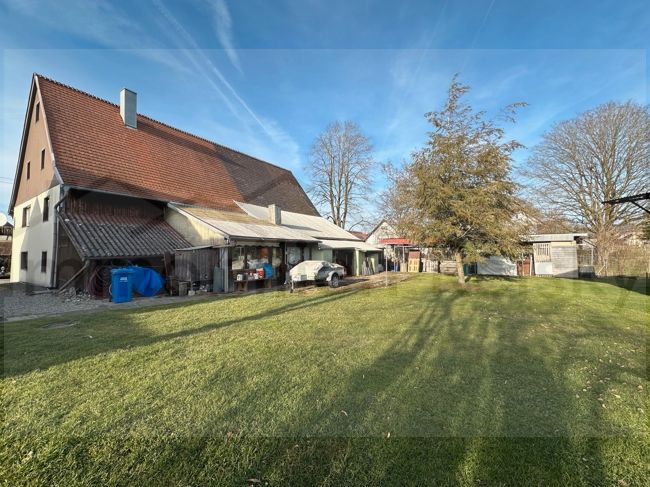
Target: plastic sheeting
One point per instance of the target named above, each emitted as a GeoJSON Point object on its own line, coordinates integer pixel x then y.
{"type": "Point", "coordinates": [146, 281]}
{"type": "Point", "coordinates": [496, 266]}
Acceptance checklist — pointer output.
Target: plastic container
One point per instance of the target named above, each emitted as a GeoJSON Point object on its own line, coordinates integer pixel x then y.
{"type": "Point", "coordinates": [121, 285]}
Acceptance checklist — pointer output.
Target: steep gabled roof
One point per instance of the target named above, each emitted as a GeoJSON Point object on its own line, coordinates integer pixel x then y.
{"type": "Point", "coordinates": [94, 150]}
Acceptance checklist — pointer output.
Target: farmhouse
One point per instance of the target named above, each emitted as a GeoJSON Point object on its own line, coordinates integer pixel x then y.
{"type": "Point", "coordinates": [99, 185]}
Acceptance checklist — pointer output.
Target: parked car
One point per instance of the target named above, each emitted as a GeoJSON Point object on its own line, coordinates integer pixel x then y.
{"type": "Point", "coordinates": [318, 272]}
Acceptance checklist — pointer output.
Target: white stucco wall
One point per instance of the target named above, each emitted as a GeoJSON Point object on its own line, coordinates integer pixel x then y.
{"type": "Point", "coordinates": [35, 238]}
{"type": "Point", "coordinates": [384, 230]}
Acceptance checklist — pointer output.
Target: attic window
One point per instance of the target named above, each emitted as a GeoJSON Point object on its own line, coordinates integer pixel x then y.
{"type": "Point", "coordinates": [42, 159]}
{"type": "Point", "coordinates": [38, 112]}
{"type": "Point", "coordinates": [29, 169]}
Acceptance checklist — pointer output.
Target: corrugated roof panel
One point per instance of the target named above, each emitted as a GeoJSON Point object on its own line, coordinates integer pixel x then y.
{"type": "Point", "coordinates": [554, 237]}
{"type": "Point", "coordinates": [349, 244]}
{"type": "Point", "coordinates": [108, 236]}
{"type": "Point", "coordinates": [314, 226]}
{"type": "Point", "coordinates": [240, 225]}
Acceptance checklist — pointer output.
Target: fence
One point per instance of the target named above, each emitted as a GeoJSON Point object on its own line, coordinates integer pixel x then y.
{"type": "Point", "coordinates": [626, 260]}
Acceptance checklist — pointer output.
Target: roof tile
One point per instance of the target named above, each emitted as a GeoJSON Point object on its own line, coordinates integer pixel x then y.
{"type": "Point", "coordinates": [95, 150]}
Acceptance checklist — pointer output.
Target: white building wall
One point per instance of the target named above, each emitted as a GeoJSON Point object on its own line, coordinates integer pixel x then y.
{"type": "Point", "coordinates": [384, 230]}
{"type": "Point", "coordinates": [35, 238]}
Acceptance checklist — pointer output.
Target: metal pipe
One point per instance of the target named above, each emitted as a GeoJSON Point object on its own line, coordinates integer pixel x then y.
{"type": "Point", "coordinates": [55, 244]}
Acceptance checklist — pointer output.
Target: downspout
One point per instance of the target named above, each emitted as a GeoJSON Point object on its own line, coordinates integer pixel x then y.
{"type": "Point", "coordinates": [55, 245]}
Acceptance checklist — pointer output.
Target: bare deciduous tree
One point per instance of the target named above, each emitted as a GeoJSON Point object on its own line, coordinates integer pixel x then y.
{"type": "Point", "coordinates": [603, 153]}
{"type": "Point", "coordinates": [340, 171]}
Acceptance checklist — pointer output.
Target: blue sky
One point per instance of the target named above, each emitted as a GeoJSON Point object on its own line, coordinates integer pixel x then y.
{"type": "Point", "coordinates": [265, 77]}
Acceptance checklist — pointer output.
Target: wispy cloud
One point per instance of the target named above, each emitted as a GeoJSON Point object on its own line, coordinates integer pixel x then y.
{"type": "Point", "coordinates": [169, 44]}
{"type": "Point", "coordinates": [223, 25]}
{"type": "Point", "coordinates": [203, 65]}
{"type": "Point", "coordinates": [102, 23]}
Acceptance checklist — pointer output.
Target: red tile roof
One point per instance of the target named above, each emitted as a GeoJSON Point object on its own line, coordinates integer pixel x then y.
{"type": "Point", "coordinates": [93, 149]}
{"type": "Point", "coordinates": [360, 235]}
{"type": "Point", "coordinates": [395, 241]}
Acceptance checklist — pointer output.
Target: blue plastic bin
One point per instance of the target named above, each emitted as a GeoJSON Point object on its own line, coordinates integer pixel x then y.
{"type": "Point", "coordinates": [121, 285]}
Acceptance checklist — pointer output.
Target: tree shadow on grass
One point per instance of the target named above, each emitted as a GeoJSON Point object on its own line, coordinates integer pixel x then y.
{"type": "Point", "coordinates": [639, 285]}
{"type": "Point", "coordinates": [499, 410]}
{"type": "Point", "coordinates": [28, 348]}
{"type": "Point", "coordinates": [469, 396]}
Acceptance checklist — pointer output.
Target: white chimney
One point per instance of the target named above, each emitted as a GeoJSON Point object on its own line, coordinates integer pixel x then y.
{"type": "Point", "coordinates": [128, 108]}
{"type": "Point", "coordinates": [275, 214]}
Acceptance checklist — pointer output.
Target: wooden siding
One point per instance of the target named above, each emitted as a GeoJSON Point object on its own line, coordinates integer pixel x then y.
{"type": "Point", "coordinates": [448, 267]}
{"type": "Point", "coordinates": [196, 265]}
{"type": "Point", "coordinates": [40, 180]}
{"type": "Point", "coordinates": [89, 202]}
{"type": "Point", "coordinates": [68, 260]}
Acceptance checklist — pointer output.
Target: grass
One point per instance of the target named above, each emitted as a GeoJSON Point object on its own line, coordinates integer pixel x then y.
{"type": "Point", "coordinates": [509, 382]}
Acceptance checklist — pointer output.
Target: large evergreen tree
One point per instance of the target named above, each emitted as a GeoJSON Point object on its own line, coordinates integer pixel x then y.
{"type": "Point", "coordinates": [456, 192]}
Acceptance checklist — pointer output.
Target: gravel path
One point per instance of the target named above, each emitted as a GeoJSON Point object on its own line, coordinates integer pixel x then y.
{"type": "Point", "coordinates": [20, 302]}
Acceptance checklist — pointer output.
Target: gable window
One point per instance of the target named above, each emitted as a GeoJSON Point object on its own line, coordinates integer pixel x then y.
{"type": "Point", "coordinates": [29, 169]}
{"type": "Point", "coordinates": [43, 261]}
{"type": "Point", "coordinates": [42, 159]}
{"type": "Point", "coordinates": [23, 261]}
{"type": "Point", "coordinates": [38, 112]}
{"type": "Point", "coordinates": [25, 221]}
{"type": "Point", "coordinates": [46, 208]}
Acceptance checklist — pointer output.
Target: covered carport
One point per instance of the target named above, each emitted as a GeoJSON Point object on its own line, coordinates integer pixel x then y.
{"type": "Point", "coordinates": [358, 257]}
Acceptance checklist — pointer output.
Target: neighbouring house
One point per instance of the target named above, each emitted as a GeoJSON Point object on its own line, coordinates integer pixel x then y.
{"type": "Point", "coordinates": [395, 247]}
{"type": "Point", "coordinates": [360, 235]}
{"type": "Point", "coordinates": [99, 185]}
{"type": "Point", "coordinates": [400, 253]}
{"type": "Point", "coordinates": [632, 235]}
{"type": "Point", "coordinates": [6, 233]}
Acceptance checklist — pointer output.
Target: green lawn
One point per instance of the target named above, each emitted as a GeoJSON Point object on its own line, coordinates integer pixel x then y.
{"type": "Point", "coordinates": [509, 382]}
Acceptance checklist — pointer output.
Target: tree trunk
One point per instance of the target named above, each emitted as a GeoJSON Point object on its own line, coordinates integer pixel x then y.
{"type": "Point", "coordinates": [459, 268]}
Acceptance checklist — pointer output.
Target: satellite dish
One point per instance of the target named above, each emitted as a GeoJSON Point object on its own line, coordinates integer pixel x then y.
{"type": "Point", "coordinates": [3, 219]}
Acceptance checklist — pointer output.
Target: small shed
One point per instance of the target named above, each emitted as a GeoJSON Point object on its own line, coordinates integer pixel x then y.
{"type": "Point", "coordinates": [556, 254]}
